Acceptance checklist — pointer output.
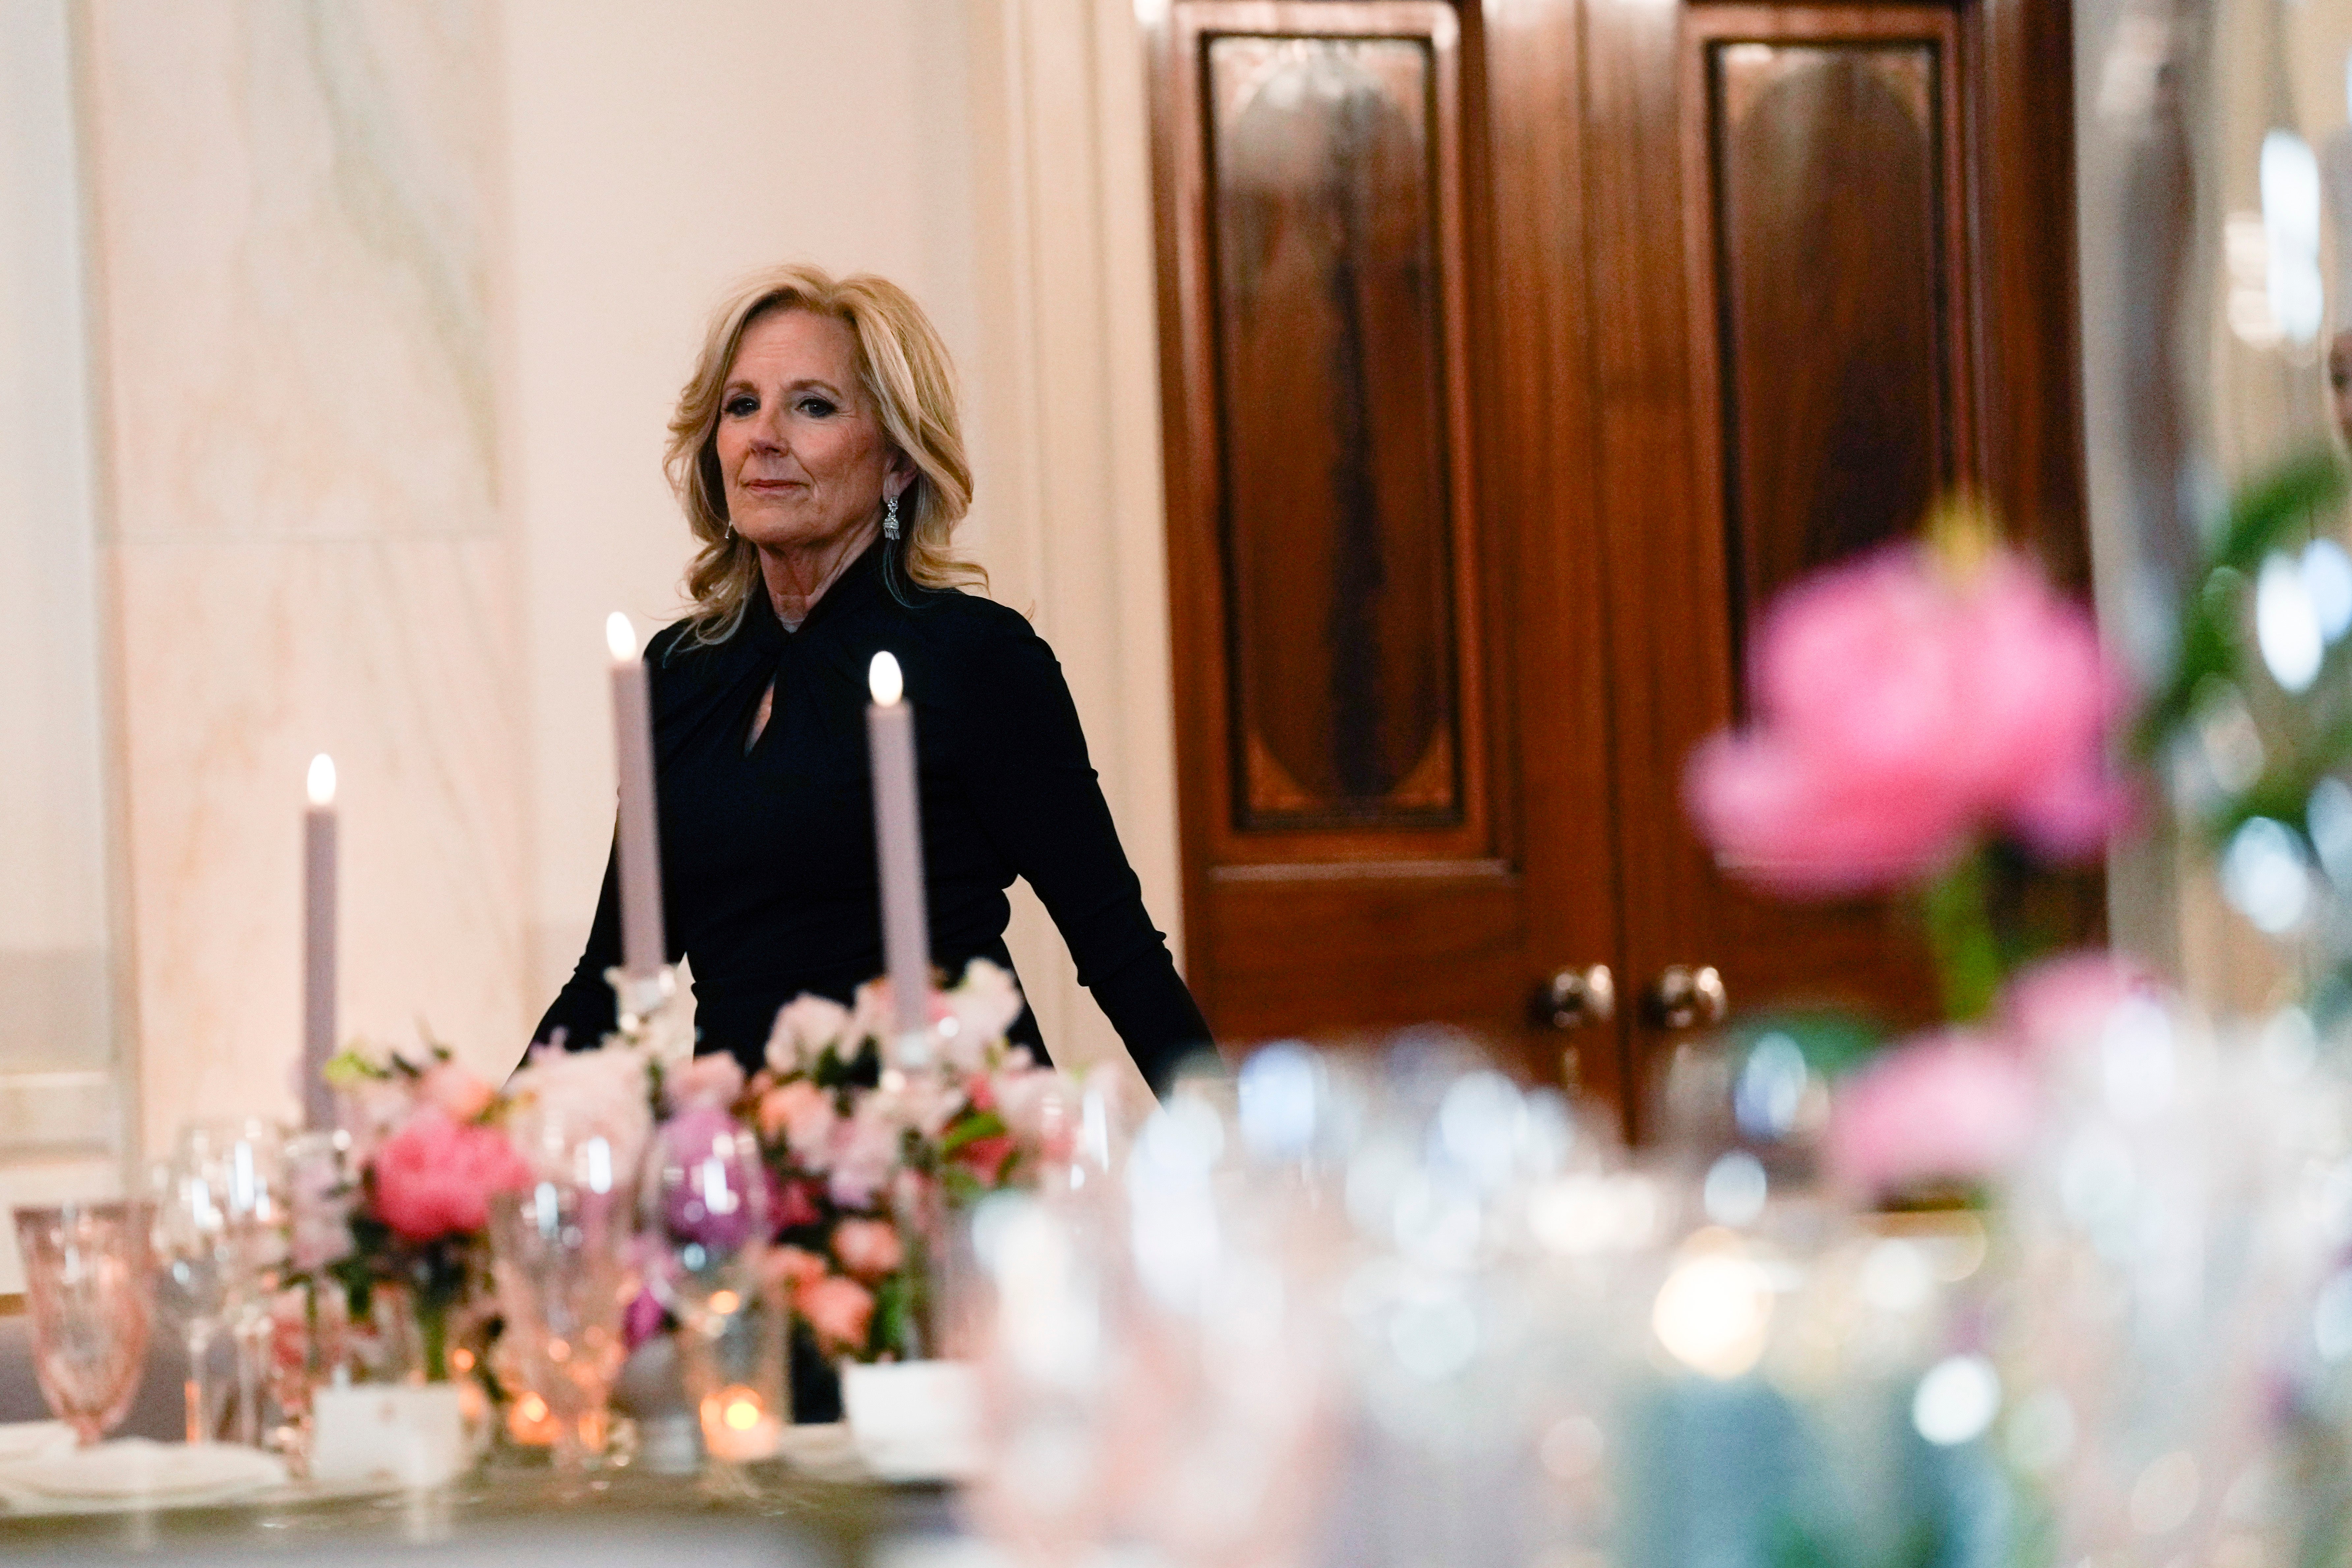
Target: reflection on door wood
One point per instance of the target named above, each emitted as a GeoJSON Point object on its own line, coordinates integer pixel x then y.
{"type": "Point", "coordinates": [1514, 354]}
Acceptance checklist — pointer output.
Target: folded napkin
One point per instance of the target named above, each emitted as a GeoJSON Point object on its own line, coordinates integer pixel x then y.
{"type": "Point", "coordinates": [135, 1468]}
{"type": "Point", "coordinates": [24, 1439]}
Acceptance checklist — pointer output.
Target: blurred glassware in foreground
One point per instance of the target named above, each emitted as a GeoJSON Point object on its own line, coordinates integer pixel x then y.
{"type": "Point", "coordinates": [705, 1220]}
{"type": "Point", "coordinates": [560, 1257]}
{"type": "Point", "coordinates": [89, 1285]}
{"type": "Point", "coordinates": [221, 1213]}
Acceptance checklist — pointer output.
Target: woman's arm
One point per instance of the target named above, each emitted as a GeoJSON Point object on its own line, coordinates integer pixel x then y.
{"type": "Point", "coordinates": [1027, 768]}
{"type": "Point", "coordinates": [586, 1010]}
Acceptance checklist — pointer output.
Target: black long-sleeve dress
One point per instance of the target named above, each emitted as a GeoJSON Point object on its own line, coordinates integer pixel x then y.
{"type": "Point", "coordinates": [768, 861]}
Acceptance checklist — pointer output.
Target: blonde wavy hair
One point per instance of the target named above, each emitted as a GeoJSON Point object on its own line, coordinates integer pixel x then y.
{"type": "Point", "coordinates": [903, 367]}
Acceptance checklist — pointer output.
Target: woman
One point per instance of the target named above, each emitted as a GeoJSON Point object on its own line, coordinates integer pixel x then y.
{"type": "Point", "coordinates": [817, 453]}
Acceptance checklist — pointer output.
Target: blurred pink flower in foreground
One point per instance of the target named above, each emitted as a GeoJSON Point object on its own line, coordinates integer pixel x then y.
{"type": "Point", "coordinates": [1954, 1107]}
{"type": "Point", "coordinates": [1903, 704]}
{"type": "Point", "coordinates": [435, 1177]}
{"type": "Point", "coordinates": [2063, 1004]}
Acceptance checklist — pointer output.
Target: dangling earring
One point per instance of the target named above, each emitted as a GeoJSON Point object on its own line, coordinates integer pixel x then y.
{"type": "Point", "coordinates": [891, 517]}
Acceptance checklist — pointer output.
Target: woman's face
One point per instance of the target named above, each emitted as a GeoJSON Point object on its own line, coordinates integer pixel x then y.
{"type": "Point", "coordinates": [800, 447]}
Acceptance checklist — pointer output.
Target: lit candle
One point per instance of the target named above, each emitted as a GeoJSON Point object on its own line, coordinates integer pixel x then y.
{"type": "Point", "coordinates": [318, 944]}
{"type": "Point", "coordinates": [898, 847]}
{"type": "Point", "coordinates": [642, 952]}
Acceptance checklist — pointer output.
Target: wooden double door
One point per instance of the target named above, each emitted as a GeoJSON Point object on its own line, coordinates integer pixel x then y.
{"type": "Point", "coordinates": [1513, 354]}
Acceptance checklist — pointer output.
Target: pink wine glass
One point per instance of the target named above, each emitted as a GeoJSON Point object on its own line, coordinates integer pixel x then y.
{"type": "Point", "coordinates": [89, 1286]}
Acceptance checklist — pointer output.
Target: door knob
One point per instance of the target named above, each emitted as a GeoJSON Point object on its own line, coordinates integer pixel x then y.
{"type": "Point", "coordinates": [1683, 998]}
{"type": "Point", "coordinates": [1573, 998]}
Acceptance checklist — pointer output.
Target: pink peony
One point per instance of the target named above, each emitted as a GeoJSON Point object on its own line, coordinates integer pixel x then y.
{"type": "Point", "coordinates": [715, 1078]}
{"type": "Point", "coordinates": [839, 1310]}
{"type": "Point", "coordinates": [868, 1248]}
{"type": "Point", "coordinates": [2061, 1005]}
{"type": "Point", "coordinates": [460, 1095]}
{"type": "Point", "coordinates": [1952, 1106]}
{"type": "Point", "coordinates": [1901, 710]}
{"type": "Point", "coordinates": [435, 1177]}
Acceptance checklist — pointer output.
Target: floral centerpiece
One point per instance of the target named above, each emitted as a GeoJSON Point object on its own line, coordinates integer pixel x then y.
{"type": "Point", "coordinates": [410, 1210]}
{"type": "Point", "coordinates": [867, 1156]}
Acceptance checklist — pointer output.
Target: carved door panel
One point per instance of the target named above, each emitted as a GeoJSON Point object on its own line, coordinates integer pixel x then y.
{"type": "Point", "coordinates": [1390, 702]}
{"type": "Point", "coordinates": [1832, 275]}
{"type": "Point", "coordinates": [1514, 354]}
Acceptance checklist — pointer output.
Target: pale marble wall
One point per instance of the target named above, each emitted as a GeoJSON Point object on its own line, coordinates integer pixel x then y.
{"type": "Point", "coordinates": [388, 303]}
{"type": "Point", "coordinates": [299, 238]}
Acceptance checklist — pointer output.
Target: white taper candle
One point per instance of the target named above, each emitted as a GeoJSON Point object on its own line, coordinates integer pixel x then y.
{"type": "Point", "coordinates": [899, 851]}
{"type": "Point", "coordinates": [318, 894]}
{"type": "Point", "coordinates": [642, 949]}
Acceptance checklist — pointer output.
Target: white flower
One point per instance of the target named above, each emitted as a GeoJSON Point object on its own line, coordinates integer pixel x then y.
{"type": "Point", "coordinates": [563, 1100]}
{"type": "Point", "coordinates": [805, 1025]}
{"type": "Point", "coordinates": [982, 1006]}
{"type": "Point", "coordinates": [865, 1146]}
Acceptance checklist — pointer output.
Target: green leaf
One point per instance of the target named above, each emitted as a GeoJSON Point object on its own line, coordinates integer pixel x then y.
{"type": "Point", "coordinates": [985, 1124]}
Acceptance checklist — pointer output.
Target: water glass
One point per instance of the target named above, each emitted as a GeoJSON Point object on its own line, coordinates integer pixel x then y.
{"type": "Point", "coordinates": [89, 1284]}
{"type": "Point", "coordinates": [221, 1213]}
{"type": "Point", "coordinates": [707, 1219]}
{"type": "Point", "coordinates": [560, 1255]}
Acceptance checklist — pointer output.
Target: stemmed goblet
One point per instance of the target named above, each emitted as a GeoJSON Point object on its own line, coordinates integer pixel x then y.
{"type": "Point", "coordinates": [706, 1215]}
{"type": "Point", "coordinates": [560, 1257]}
{"type": "Point", "coordinates": [220, 1215]}
{"type": "Point", "coordinates": [89, 1284]}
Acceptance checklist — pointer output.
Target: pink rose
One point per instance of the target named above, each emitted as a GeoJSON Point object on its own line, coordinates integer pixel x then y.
{"type": "Point", "coordinates": [1902, 709]}
{"type": "Point", "coordinates": [435, 1177]}
{"type": "Point", "coordinates": [868, 1248]}
{"type": "Point", "coordinates": [641, 1319]}
{"type": "Point", "coordinates": [795, 1206]}
{"type": "Point", "coordinates": [986, 1157]}
{"type": "Point", "coordinates": [715, 1078]}
{"type": "Point", "coordinates": [2062, 1004]}
{"type": "Point", "coordinates": [458, 1094]}
{"type": "Point", "coordinates": [1952, 1107]}
{"type": "Point", "coordinates": [839, 1310]}
{"type": "Point", "coordinates": [804, 1116]}
{"type": "Point", "coordinates": [792, 1267]}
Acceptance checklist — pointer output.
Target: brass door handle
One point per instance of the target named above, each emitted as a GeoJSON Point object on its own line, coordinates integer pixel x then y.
{"type": "Point", "coordinates": [1572, 998]}
{"type": "Point", "coordinates": [1684, 997]}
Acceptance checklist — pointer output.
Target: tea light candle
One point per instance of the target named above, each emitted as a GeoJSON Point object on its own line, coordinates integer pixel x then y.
{"type": "Point", "coordinates": [642, 947]}
{"type": "Point", "coordinates": [319, 891]}
{"type": "Point", "coordinates": [898, 847]}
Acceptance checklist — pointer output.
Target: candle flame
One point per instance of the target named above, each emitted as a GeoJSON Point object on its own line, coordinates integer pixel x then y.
{"type": "Point", "coordinates": [883, 676]}
{"type": "Point", "coordinates": [322, 780]}
{"type": "Point", "coordinates": [620, 637]}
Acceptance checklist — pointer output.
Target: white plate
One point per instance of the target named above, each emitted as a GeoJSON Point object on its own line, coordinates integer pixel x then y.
{"type": "Point", "coordinates": [135, 1468]}
{"type": "Point", "coordinates": [24, 1439]}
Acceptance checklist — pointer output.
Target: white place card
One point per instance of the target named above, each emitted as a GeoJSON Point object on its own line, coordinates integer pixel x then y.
{"type": "Point", "coordinates": [411, 1434]}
